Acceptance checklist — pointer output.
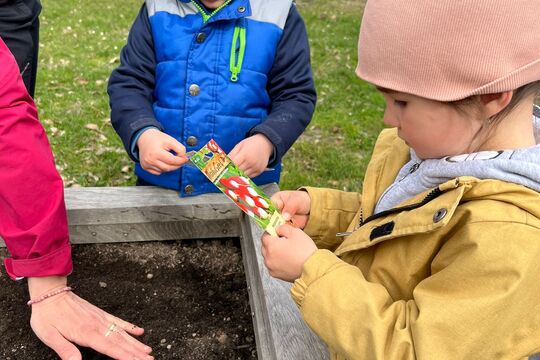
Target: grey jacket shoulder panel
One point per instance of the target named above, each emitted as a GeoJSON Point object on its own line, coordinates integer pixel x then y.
{"type": "Point", "coordinates": [270, 11]}
{"type": "Point", "coordinates": [174, 7]}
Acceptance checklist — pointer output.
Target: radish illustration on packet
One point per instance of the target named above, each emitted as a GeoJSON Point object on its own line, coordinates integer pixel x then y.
{"type": "Point", "coordinates": [232, 181]}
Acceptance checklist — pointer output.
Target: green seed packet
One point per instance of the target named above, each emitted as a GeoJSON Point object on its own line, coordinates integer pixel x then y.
{"type": "Point", "coordinates": [219, 169]}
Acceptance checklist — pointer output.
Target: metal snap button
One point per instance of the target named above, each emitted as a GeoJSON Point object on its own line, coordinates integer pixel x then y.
{"type": "Point", "coordinates": [200, 37]}
{"type": "Point", "coordinates": [192, 140]}
{"type": "Point", "coordinates": [189, 189]}
{"type": "Point", "coordinates": [194, 90]}
{"type": "Point", "coordinates": [439, 215]}
{"type": "Point", "coordinates": [241, 9]}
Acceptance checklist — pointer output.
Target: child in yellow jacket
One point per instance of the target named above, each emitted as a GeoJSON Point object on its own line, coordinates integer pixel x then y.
{"type": "Point", "coordinates": [438, 258]}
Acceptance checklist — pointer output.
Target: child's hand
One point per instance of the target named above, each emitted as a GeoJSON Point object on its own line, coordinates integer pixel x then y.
{"type": "Point", "coordinates": [293, 205]}
{"type": "Point", "coordinates": [285, 256]}
{"type": "Point", "coordinates": [252, 154]}
{"type": "Point", "coordinates": [155, 152]}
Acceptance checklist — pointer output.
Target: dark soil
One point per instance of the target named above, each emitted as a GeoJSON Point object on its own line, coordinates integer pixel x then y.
{"type": "Point", "coordinates": [190, 297]}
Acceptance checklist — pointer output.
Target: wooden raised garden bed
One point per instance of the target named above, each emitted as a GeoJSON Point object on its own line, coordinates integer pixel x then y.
{"type": "Point", "coordinates": [194, 233]}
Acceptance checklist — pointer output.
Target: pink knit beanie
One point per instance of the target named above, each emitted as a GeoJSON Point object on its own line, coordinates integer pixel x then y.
{"type": "Point", "coordinates": [450, 49]}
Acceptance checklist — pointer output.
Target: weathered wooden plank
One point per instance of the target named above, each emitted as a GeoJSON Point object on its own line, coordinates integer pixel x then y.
{"type": "Point", "coordinates": [142, 204]}
{"type": "Point", "coordinates": [172, 230]}
{"type": "Point", "coordinates": [257, 301]}
{"type": "Point", "coordinates": [279, 328]}
{"type": "Point", "coordinates": [131, 196]}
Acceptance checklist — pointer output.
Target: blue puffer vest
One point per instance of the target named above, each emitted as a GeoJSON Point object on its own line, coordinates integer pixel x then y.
{"type": "Point", "coordinates": [197, 95]}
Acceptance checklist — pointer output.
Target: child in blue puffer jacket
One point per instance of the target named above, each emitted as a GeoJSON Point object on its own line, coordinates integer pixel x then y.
{"type": "Point", "coordinates": [236, 71]}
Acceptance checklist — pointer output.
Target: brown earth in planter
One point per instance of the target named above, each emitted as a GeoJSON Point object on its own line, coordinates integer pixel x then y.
{"type": "Point", "coordinates": [190, 297]}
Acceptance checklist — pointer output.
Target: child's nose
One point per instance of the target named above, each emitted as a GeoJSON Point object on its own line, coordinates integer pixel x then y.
{"type": "Point", "coordinates": [389, 119]}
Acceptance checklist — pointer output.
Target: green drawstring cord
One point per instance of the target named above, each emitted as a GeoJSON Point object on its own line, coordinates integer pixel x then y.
{"type": "Point", "coordinates": [234, 65]}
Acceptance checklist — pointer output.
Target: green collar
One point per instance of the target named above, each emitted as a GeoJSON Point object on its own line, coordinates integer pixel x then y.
{"type": "Point", "coordinates": [204, 13]}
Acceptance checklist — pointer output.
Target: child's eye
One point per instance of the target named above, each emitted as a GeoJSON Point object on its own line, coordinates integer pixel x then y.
{"type": "Point", "coordinates": [400, 103]}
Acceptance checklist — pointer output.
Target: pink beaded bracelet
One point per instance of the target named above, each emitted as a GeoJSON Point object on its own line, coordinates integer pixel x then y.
{"type": "Point", "coordinates": [48, 295]}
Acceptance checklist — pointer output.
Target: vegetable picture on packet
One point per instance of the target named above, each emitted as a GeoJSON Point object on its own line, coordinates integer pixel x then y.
{"type": "Point", "coordinates": [220, 169]}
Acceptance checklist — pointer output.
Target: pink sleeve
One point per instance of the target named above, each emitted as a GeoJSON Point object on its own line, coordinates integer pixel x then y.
{"type": "Point", "coordinates": [33, 220]}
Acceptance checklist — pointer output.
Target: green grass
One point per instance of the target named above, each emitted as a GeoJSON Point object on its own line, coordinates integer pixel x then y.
{"type": "Point", "coordinates": [80, 44]}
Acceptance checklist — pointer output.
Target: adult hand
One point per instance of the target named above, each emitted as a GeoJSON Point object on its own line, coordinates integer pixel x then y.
{"type": "Point", "coordinates": [251, 155]}
{"type": "Point", "coordinates": [155, 152]}
{"type": "Point", "coordinates": [293, 205]}
{"type": "Point", "coordinates": [66, 319]}
{"type": "Point", "coordinates": [284, 256]}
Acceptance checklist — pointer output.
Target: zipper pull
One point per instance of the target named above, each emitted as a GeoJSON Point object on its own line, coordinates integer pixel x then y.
{"type": "Point", "coordinates": [347, 233]}
{"type": "Point", "coordinates": [414, 167]}
{"type": "Point", "coordinates": [235, 63]}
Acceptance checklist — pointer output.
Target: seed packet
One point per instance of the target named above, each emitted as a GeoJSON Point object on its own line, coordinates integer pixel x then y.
{"type": "Point", "coordinates": [232, 181]}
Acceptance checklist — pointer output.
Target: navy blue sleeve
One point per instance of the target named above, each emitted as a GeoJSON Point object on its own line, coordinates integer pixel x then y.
{"type": "Point", "coordinates": [131, 85]}
{"type": "Point", "coordinates": [291, 88]}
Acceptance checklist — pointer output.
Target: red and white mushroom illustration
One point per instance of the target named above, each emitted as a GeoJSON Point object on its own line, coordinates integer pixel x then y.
{"type": "Point", "coordinates": [245, 209]}
{"type": "Point", "coordinates": [238, 189]}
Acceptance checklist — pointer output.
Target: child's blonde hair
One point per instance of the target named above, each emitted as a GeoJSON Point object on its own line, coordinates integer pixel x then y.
{"type": "Point", "coordinates": [472, 105]}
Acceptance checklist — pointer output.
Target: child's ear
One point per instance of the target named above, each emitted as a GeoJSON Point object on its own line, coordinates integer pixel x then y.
{"type": "Point", "coordinates": [495, 103]}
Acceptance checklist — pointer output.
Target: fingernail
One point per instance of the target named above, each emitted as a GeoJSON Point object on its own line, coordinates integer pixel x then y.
{"type": "Point", "coordinates": [286, 216]}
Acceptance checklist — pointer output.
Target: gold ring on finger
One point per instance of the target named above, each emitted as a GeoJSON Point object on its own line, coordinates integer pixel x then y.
{"type": "Point", "coordinates": [110, 329]}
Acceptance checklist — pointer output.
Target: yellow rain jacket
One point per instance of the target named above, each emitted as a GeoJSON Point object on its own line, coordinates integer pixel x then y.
{"type": "Point", "coordinates": [454, 274]}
